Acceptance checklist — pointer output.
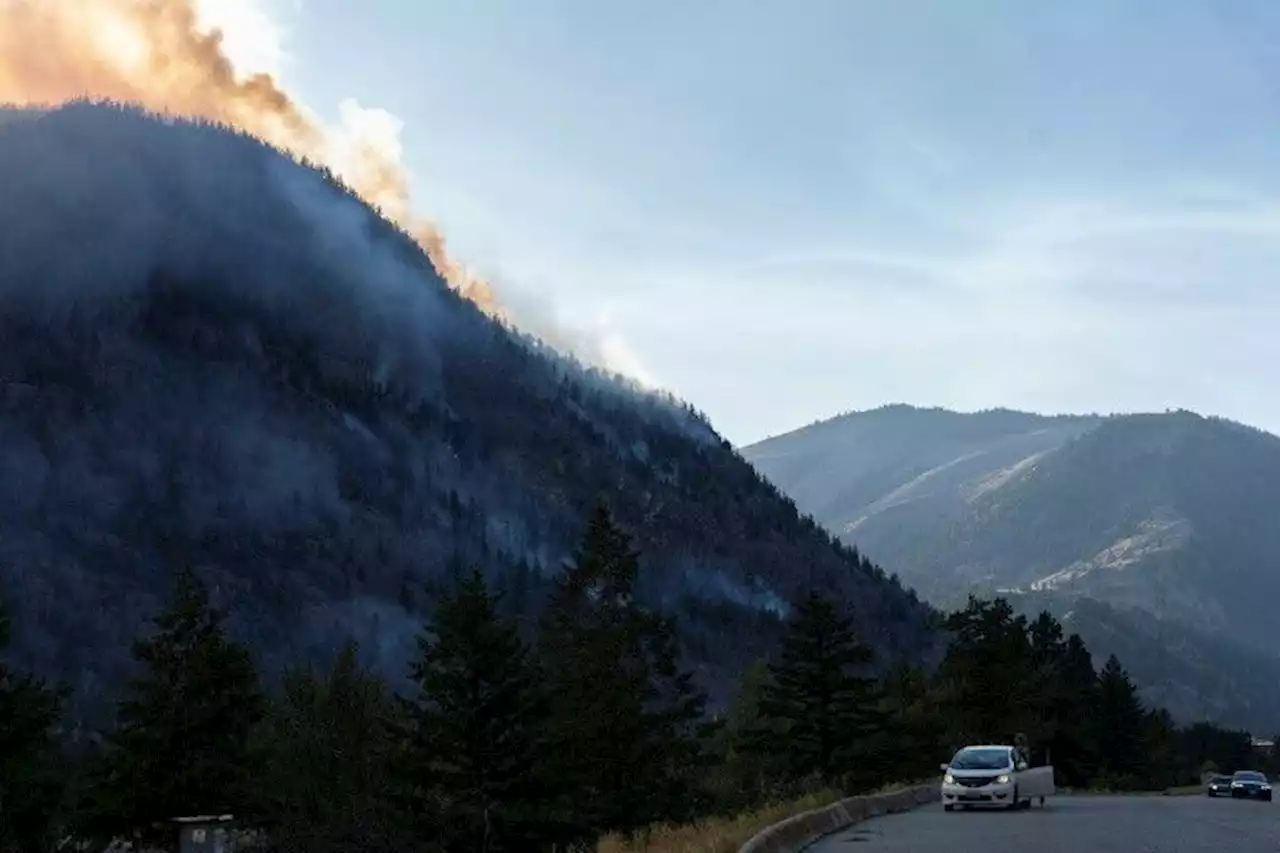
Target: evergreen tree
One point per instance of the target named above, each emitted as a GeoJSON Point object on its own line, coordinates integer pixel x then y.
{"type": "Point", "coordinates": [1048, 691]}
{"type": "Point", "coordinates": [746, 776]}
{"type": "Point", "coordinates": [1119, 722]}
{"type": "Point", "coordinates": [182, 742]}
{"type": "Point", "coordinates": [1074, 746]}
{"type": "Point", "coordinates": [1204, 743]}
{"type": "Point", "coordinates": [477, 746]}
{"type": "Point", "coordinates": [986, 679]}
{"type": "Point", "coordinates": [1163, 765]}
{"type": "Point", "coordinates": [625, 717]}
{"type": "Point", "coordinates": [819, 710]}
{"type": "Point", "coordinates": [913, 734]}
{"type": "Point", "coordinates": [330, 743]}
{"type": "Point", "coordinates": [30, 787]}
{"type": "Point", "coordinates": [678, 736]}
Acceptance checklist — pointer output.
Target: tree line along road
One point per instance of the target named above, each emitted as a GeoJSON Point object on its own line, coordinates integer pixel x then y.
{"type": "Point", "coordinates": [1073, 824]}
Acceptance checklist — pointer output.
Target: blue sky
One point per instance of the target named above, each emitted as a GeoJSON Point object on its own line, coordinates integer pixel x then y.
{"type": "Point", "coordinates": [787, 209]}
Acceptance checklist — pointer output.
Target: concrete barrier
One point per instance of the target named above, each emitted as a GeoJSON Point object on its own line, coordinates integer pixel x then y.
{"type": "Point", "coordinates": [803, 829]}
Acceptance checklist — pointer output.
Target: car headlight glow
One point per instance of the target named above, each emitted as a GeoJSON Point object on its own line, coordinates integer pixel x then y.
{"type": "Point", "coordinates": [949, 779]}
{"type": "Point", "coordinates": [1002, 779]}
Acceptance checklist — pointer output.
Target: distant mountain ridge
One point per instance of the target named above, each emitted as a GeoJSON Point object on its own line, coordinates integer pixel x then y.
{"type": "Point", "coordinates": [1174, 515]}
{"type": "Point", "coordinates": [898, 455]}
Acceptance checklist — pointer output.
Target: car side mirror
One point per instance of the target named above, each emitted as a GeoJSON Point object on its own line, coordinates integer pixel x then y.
{"type": "Point", "coordinates": [944, 767]}
{"type": "Point", "coordinates": [1022, 765]}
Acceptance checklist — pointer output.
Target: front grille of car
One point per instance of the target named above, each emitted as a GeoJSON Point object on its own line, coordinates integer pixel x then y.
{"type": "Point", "coordinates": [975, 781]}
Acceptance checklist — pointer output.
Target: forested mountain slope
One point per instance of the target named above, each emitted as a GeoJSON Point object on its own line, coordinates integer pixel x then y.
{"type": "Point", "coordinates": [212, 355]}
{"type": "Point", "coordinates": [1195, 674]}
{"type": "Point", "coordinates": [1173, 515]}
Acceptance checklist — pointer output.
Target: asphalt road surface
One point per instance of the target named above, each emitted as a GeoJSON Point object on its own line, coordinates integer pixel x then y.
{"type": "Point", "coordinates": [1073, 824]}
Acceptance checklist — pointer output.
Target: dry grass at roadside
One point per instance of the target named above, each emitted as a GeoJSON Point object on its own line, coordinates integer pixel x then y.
{"type": "Point", "coordinates": [721, 835]}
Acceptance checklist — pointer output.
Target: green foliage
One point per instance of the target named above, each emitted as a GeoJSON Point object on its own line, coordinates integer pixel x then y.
{"type": "Point", "coordinates": [988, 677]}
{"type": "Point", "coordinates": [746, 776]}
{"type": "Point", "coordinates": [330, 742]}
{"type": "Point", "coordinates": [912, 742]}
{"type": "Point", "coordinates": [625, 719]}
{"type": "Point", "coordinates": [1073, 747]}
{"type": "Point", "coordinates": [30, 787]}
{"type": "Point", "coordinates": [1119, 723]}
{"type": "Point", "coordinates": [182, 742]}
{"type": "Point", "coordinates": [478, 744]}
{"type": "Point", "coordinates": [819, 708]}
{"type": "Point", "coordinates": [1003, 674]}
{"type": "Point", "coordinates": [597, 729]}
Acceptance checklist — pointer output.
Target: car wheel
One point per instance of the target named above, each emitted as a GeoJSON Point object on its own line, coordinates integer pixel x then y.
{"type": "Point", "coordinates": [948, 808]}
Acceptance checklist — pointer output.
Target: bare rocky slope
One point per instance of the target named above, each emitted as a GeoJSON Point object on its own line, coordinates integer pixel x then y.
{"type": "Point", "coordinates": [1173, 517]}
{"type": "Point", "coordinates": [212, 355]}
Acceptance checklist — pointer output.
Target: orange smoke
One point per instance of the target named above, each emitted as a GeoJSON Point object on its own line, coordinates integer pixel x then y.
{"type": "Point", "coordinates": [153, 53]}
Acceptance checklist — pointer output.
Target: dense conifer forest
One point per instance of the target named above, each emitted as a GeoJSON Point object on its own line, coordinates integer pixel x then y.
{"type": "Point", "coordinates": [590, 726]}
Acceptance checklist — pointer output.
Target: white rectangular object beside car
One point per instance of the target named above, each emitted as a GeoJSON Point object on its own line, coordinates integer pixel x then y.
{"type": "Point", "coordinates": [991, 776]}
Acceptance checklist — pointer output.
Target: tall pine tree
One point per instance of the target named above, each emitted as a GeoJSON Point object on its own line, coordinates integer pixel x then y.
{"type": "Point", "coordinates": [478, 747]}
{"type": "Point", "coordinates": [1160, 749]}
{"type": "Point", "coordinates": [913, 737]}
{"type": "Point", "coordinates": [746, 776]}
{"type": "Point", "coordinates": [1074, 746]}
{"type": "Point", "coordinates": [987, 679]}
{"type": "Point", "coordinates": [626, 717]}
{"type": "Point", "coordinates": [30, 788]}
{"type": "Point", "coordinates": [330, 744]}
{"type": "Point", "coordinates": [1048, 651]}
{"type": "Point", "coordinates": [182, 743]}
{"type": "Point", "coordinates": [1119, 720]}
{"type": "Point", "coordinates": [820, 709]}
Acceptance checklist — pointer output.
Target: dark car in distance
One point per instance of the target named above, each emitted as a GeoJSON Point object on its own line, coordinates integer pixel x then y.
{"type": "Point", "coordinates": [1219, 786]}
{"type": "Point", "coordinates": [1250, 785]}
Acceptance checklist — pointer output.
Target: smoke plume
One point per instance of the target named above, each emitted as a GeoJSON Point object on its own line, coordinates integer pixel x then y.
{"type": "Point", "coordinates": [156, 54]}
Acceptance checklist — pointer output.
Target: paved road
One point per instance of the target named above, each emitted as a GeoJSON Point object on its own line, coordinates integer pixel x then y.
{"type": "Point", "coordinates": [1194, 824]}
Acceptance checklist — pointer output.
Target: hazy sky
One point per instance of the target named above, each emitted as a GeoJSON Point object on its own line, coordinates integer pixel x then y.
{"type": "Point", "coordinates": [787, 209]}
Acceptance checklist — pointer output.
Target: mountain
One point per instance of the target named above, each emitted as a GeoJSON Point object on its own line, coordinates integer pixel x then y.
{"type": "Point", "coordinates": [1173, 516]}
{"type": "Point", "coordinates": [215, 356]}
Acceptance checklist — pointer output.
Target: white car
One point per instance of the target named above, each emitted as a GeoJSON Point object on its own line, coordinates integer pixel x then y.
{"type": "Point", "coordinates": [991, 775]}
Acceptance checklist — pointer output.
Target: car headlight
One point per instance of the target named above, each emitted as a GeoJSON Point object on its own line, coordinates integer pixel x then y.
{"type": "Point", "coordinates": [1266, 787]}
{"type": "Point", "coordinates": [949, 779]}
{"type": "Point", "coordinates": [1002, 779]}
{"type": "Point", "coordinates": [1237, 784]}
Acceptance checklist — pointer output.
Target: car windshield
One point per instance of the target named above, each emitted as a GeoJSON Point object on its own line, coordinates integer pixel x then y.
{"type": "Point", "coordinates": [981, 758]}
{"type": "Point", "coordinates": [1250, 776]}
{"type": "Point", "coordinates": [1218, 780]}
